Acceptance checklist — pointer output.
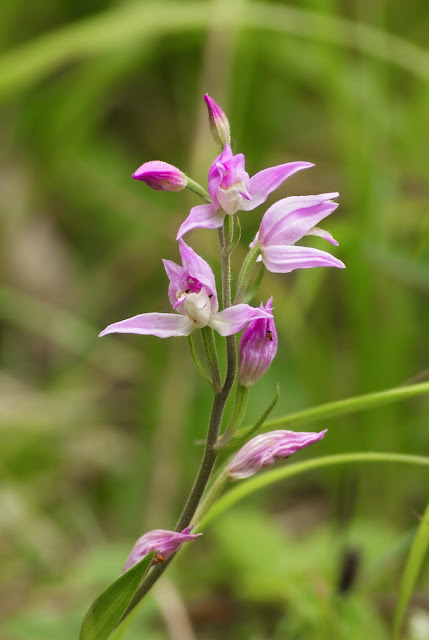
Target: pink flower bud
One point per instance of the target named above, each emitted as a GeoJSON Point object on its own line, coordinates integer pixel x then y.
{"type": "Point", "coordinates": [161, 176]}
{"type": "Point", "coordinates": [265, 449]}
{"type": "Point", "coordinates": [219, 125]}
{"type": "Point", "coordinates": [257, 348]}
{"type": "Point", "coordinates": [165, 543]}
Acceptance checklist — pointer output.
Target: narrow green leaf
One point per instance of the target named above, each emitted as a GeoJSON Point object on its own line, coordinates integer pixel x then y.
{"type": "Point", "coordinates": [349, 405]}
{"type": "Point", "coordinates": [247, 487]}
{"type": "Point", "coordinates": [236, 236]}
{"type": "Point", "coordinates": [255, 286]}
{"type": "Point", "coordinates": [107, 610]}
{"type": "Point", "coordinates": [412, 568]}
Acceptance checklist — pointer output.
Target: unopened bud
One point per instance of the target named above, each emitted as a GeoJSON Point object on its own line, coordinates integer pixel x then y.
{"type": "Point", "coordinates": [257, 348]}
{"type": "Point", "coordinates": [265, 449]}
{"type": "Point", "coordinates": [165, 543]}
{"type": "Point", "coordinates": [219, 125]}
{"type": "Point", "coordinates": [161, 176]}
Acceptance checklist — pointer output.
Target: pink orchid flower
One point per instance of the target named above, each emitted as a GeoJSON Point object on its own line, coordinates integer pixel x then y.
{"type": "Point", "coordinates": [257, 348]}
{"type": "Point", "coordinates": [231, 189]}
{"type": "Point", "coordinates": [286, 222]}
{"type": "Point", "coordinates": [192, 293]}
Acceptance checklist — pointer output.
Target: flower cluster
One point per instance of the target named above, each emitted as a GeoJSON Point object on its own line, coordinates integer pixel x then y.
{"type": "Point", "coordinates": [193, 294]}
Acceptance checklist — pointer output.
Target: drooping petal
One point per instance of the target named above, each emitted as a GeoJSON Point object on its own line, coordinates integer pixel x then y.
{"type": "Point", "coordinates": [266, 181]}
{"type": "Point", "coordinates": [282, 259]}
{"type": "Point", "coordinates": [197, 267]}
{"type": "Point", "coordinates": [203, 216]}
{"type": "Point", "coordinates": [289, 219]}
{"type": "Point", "coordinates": [162, 325]}
{"type": "Point", "coordinates": [234, 319]}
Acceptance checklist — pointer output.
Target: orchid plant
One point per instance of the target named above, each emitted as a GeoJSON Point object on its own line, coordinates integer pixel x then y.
{"type": "Point", "coordinates": [193, 296]}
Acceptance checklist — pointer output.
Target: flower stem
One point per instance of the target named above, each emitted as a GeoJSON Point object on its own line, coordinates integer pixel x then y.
{"type": "Point", "coordinates": [246, 274]}
{"type": "Point", "coordinates": [238, 413]}
{"type": "Point", "coordinates": [199, 190]}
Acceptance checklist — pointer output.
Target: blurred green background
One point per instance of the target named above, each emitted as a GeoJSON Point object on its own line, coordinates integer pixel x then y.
{"type": "Point", "coordinates": [98, 436]}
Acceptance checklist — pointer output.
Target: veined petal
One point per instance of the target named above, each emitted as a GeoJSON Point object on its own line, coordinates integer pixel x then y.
{"type": "Point", "coordinates": [203, 216]}
{"type": "Point", "coordinates": [282, 259]}
{"type": "Point", "coordinates": [234, 319]}
{"type": "Point", "coordinates": [291, 218]}
{"type": "Point", "coordinates": [266, 181]}
{"type": "Point", "coordinates": [196, 266]}
{"type": "Point", "coordinates": [162, 325]}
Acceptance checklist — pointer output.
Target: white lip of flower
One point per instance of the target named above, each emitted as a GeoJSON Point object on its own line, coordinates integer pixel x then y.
{"type": "Point", "coordinates": [231, 198]}
{"type": "Point", "coordinates": [197, 307]}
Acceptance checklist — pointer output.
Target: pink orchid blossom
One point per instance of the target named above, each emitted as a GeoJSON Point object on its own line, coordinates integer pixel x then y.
{"type": "Point", "coordinates": [161, 176]}
{"type": "Point", "coordinates": [165, 543]}
{"type": "Point", "coordinates": [231, 189]}
{"type": "Point", "coordinates": [264, 450]}
{"type": "Point", "coordinates": [257, 348]}
{"type": "Point", "coordinates": [286, 222]}
{"type": "Point", "coordinates": [219, 124]}
{"type": "Point", "coordinates": [192, 293]}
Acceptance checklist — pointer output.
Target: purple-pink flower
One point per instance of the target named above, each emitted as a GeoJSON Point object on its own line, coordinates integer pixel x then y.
{"type": "Point", "coordinates": [286, 222]}
{"type": "Point", "coordinates": [165, 543]}
{"type": "Point", "coordinates": [257, 348]}
{"type": "Point", "coordinates": [219, 124]}
{"type": "Point", "coordinates": [231, 189]}
{"type": "Point", "coordinates": [161, 176]}
{"type": "Point", "coordinates": [265, 449]}
{"type": "Point", "coordinates": [192, 293]}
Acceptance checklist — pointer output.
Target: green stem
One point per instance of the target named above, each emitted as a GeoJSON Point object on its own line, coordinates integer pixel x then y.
{"type": "Point", "coordinates": [198, 189]}
{"type": "Point", "coordinates": [237, 416]}
{"type": "Point", "coordinates": [209, 344]}
{"type": "Point", "coordinates": [243, 281]}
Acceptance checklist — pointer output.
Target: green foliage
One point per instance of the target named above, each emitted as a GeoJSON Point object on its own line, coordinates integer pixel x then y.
{"type": "Point", "coordinates": [107, 610]}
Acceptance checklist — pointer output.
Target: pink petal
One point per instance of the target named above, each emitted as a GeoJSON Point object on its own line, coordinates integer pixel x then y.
{"type": "Point", "coordinates": [197, 267]}
{"type": "Point", "coordinates": [177, 276]}
{"type": "Point", "coordinates": [162, 325]}
{"type": "Point", "coordinates": [203, 216]}
{"type": "Point", "coordinates": [316, 231]}
{"type": "Point", "coordinates": [282, 259]}
{"type": "Point", "coordinates": [266, 181]}
{"type": "Point", "coordinates": [291, 218]}
{"type": "Point", "coordinates": [234, 319]}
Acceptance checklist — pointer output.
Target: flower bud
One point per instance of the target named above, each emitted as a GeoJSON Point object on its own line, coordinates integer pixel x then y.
{"type": "Point", "coordinates": [165, 543]}
{"type": "Point", "coordinates": [161, 176]}
{"type": "Point", "coordinates": [219, 125]}
{"type": "Point", "coordinates": [265, 449]}
{"type": "Point", "coordinates": [257, 348]}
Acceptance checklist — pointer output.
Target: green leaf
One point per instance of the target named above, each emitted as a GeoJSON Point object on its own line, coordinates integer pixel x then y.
{"type": "Point", "coordinates": [107, 610]}
{"type": "Point", "coordinates": [197, 362]}
{"type": "Point", "coordinates": [411, 572]}
{"type": "Point", "coordinates": [247, 487]}
{"type": "Point", "coordinates": [255, 286]}
{"type": "Point", "coordinates": [245, 435]}
{"type": "Point", "coordinates": [349, 405]}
